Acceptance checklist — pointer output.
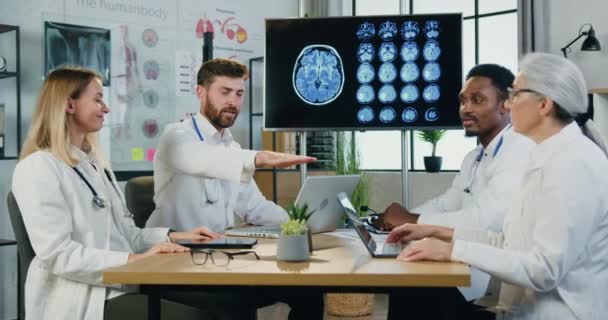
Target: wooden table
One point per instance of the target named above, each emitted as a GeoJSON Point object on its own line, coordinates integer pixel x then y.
{"type": "Point", "coordinates": [337, 264]}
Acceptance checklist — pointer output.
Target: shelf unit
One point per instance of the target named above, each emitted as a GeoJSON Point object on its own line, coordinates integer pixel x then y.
{"type": "Point", "coordinates": [13, 72]}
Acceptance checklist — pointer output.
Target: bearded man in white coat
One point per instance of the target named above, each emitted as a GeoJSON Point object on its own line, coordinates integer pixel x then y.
{"type": "Point", "coordinates": [203, 178]}
{"type": "Point", "coordinates": [201, 175]}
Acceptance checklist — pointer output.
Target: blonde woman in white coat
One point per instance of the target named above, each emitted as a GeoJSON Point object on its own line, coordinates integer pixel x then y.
{"type": "Point", "coordinates": [551, 258]}
{"type": "Point", "coordinates": [74, 211]}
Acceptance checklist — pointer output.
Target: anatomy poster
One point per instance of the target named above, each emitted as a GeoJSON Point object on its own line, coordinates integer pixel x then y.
{"type": "Point", "coordinates": [237, 34]}
{"type": "Point", "coordinates": [141, 100]}
{"type": "Point", "coordinates": [156, 51]}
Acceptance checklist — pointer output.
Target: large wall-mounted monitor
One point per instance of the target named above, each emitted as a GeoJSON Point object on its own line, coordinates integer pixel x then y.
{"type": "Point", "coordinates": [363, 73]}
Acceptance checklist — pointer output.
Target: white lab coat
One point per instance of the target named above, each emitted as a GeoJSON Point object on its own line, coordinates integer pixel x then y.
{"type": "Point", "coordinates": [206, 183]}
{"type": "Point", "coordinates": [495, 182]}
{"type": "Point", "coordinates": [553, 252]}
{"type": "Point", "coordinates": [71, 237]}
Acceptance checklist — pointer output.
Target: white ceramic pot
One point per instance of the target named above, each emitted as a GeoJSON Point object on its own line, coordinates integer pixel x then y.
{"type": "Point", "coordinates": [293, 248]}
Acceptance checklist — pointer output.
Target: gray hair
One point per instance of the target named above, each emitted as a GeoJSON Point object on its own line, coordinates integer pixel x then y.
{"type": "Point", "coordinates": [562, 81]}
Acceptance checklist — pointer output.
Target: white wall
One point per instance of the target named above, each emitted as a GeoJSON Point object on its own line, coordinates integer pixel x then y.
{"type": "Point", "coordinates": [386, 187]}
{"type": "Point", "coordinates": [563, 18]}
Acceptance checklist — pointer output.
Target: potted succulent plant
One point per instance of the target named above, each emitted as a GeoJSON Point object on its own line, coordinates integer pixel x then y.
{"type": "Point", "coordinates": [294, 240]}
{"type": "Point", "coordinates": [432, 163]}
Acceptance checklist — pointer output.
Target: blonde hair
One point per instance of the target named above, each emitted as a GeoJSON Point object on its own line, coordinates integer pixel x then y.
{"type": "Point", "coordinates": [49, 130]}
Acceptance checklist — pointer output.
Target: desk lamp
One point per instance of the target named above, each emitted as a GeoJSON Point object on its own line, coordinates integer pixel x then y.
{"type": "Point", "coordinates": [590, 44]}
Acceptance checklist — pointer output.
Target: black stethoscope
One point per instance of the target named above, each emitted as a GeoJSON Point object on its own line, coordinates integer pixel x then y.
{"type": "Point", "coordinates": [200, 136]}
{"type": "Point", "coordinates": [98, 201]}
{"type": "Point", "coordinates": [478, 161]}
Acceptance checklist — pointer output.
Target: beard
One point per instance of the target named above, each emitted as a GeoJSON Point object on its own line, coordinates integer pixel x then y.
{"type": "Point", "coordinates": [216, 116]}
{"type": "Point", "coordinates": [468, 133]}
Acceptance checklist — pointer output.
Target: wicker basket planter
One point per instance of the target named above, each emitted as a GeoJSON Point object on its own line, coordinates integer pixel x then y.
{"type": "Point", "coordinates": [349, 304]}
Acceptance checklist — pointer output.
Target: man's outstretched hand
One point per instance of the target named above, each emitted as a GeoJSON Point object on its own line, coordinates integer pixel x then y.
{"type": "Point", "coordinates": [280, 160]}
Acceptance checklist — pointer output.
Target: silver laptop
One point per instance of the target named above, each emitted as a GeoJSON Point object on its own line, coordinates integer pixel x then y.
{"type": "Point", "coordinates": [376, 246]}
{"type": "Point", "coordinates": [320, 194]}
{"type": "Point", "coordinates": [351, 212]}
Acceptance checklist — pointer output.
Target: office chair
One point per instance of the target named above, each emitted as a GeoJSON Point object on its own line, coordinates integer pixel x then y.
{"type": "Point", "coordinates": [139, 194]}
{"type": "Point", "coordinates": [24, 248]}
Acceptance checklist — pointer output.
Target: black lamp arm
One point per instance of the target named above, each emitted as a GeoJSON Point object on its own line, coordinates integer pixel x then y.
{"type": "Point", "coordinates": [564, 49]}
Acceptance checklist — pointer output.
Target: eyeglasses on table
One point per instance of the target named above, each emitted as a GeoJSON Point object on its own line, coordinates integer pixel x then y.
{"type": "Point", "coordinates": [218, 257]}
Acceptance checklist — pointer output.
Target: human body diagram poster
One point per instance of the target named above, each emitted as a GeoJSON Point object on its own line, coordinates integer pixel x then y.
{"type": "Point", "coordinates": [156, 51]}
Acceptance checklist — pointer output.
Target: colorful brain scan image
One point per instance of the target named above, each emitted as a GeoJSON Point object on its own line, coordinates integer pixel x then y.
{"type": "Point", "coordinates": [366, 31]}
{"type": "Point", "coordinates": [409, 93]}
{"type": "Point", "coordinates": [365, 114]}
{"type": "Point", "coordinates": [387, 115]}
{"type": "Point", "coordinates": [150, 98]}
{"type": "Point", "coordinates": [431, 93]}
{"type": "Point", "coordinates": [409, 115]}
{"type": "Point", "coordinates": [149, 38]}
{"type": "Point", "coordinates": [365, 94]}
{"type": "Point", "coordinates": [431, 114]}
{"type": "Point", "coordinates": [150, 128]}
{"type": "Point", "coordinates": [387, 52]}
{"type": "Point", "coordinates": [431, 51]}
{"type": "Point", "coordinates": [431, 72]}
{"type": "Point", "coordinates": [387, 93]}
{"type": "Point", "coordinates": [409, 72]}
{"type": "Point", "coordinates": [409, 30]}
{"type": "Point", "coordinates": [365, 73]}
{"type": "Point", "coordinates": [431, 29]}
{"type": "Point", "coordinates": [387, 31]}
{"type": "Point", "coordinates": [365, 52]}
{"type": "Point", "coordinates": [409, 51]}
{"type": "Point", "coordinates": [318, 75]}
{"type": "Point", "coordinates": [387, 72]}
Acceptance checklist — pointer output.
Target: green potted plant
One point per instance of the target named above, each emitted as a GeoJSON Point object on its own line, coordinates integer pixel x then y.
{"type": "Point", "coordinates": [294, 238]}
{"type": "Point", "coordinates": [432, 163]}
{"type": "Point", "coordinates": [348, 162]}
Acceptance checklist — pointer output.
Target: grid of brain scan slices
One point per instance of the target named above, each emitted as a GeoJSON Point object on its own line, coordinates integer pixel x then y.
{"type": "Point", "coordinates": [407, 53]}
{"type": "Point", "coordinates": [368, 73]}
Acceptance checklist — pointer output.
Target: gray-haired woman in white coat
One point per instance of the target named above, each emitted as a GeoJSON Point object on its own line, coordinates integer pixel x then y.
{"type": "Point", "coordinates": [552, 254]}
{"type": "Point", "coordinates": [74, 211]}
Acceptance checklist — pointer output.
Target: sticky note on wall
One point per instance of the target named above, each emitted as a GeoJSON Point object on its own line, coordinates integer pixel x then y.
{"type": "Point", "coordinates": [137, 154]}
{"type": "Point", "coordinates": [150, 154]}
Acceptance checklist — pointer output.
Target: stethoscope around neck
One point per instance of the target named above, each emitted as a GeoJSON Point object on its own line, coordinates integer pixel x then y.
{"type": "Point", "coordinates": [467, 189]}
{"type": "Point", "coordinates": [98, 201]}
{"type": "Point", "coordinates": [200, 136]}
